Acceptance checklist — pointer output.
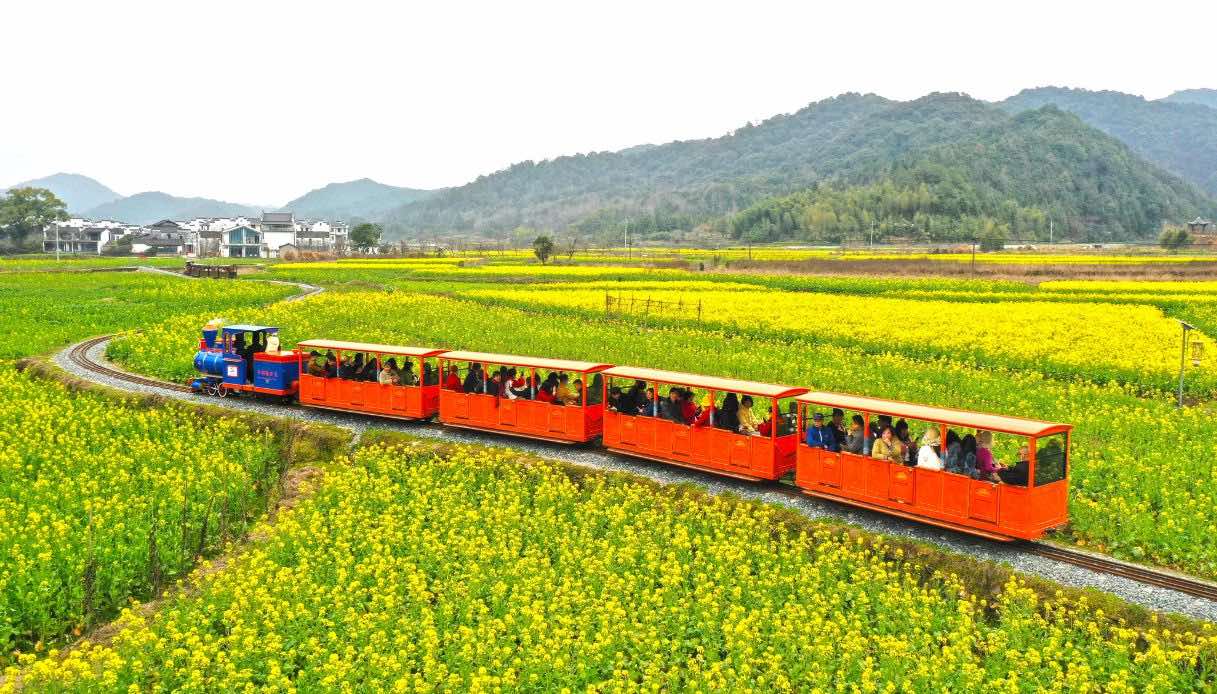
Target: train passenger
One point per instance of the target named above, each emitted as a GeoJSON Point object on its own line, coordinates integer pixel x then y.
{"type": "Point", "coordinates": [495, 386]}
{"type": "Point", "coordinates": [747, 417]}
{"type": "Point", "coordinates": [705, 413]}
{"type": "Point", "coordinates": [838, 425]}
{"type": "Point", "coordinates": [453, 380]}
{"type": "Point", "coordinates": [788, 423]}
{"type": "Point", "coordinates": [389, 373]}
{"type": "Point", "coordinates": [967, 455]}
{"type": "Point", "coordinates": [952, 457]}
{"type": "Point", "coordinates": [346, 366]}
{"type": "Point", "coordinates": [370, 372]}
{"type": "Point", "coordinates": [855, 440]}
{"type": "Point", "coordinates": [475, 380]}
{"type": "Point", "coordinates": [614, 399]}
{"type": "Point", "coordinates": [546, 393]}
{"type": "Point", "coordinates": [986, 467]}
{"type": "Point", "coordinates": [906, 440]}
{"type": "Point", "coordinates": [1018, 473]}
{"type": "Point", "coordinates": [765, 428]}
{"type": "Point", "coordinates": [670, 409]}
{"type": "Point", "coordinates": [649, 407]}
{"type": "Point", "coordinates": [928, 455]}
{"type": "Point", "coordinates": [331, 365]}
{"type": "Point", "coordinates": [578, 389]}
{"type": "Point", "coordinates": [408, 377]}
{"type": "Point", "coordinates": [315, 365]}
{"type": "Point", "coordinates": [886, 447]}
{"type": "Point", "coordinates": [517, 387]}
{"type": "Point", "coordinates": [821, 435]}
{"type": "Point", "coordinates": [634, 398]}
{"type": "Point", "coordinates": [564, 395]}
{"type": "Point", "coordinates": [728, 416]}
{"type": "Point", "coordinates": [688, 408]}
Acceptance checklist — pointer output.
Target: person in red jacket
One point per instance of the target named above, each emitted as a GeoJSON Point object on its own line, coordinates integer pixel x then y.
{"type": "Point", "coordinates": [688, 410]}
{"type": "Point", "coordinates": [453, 381]}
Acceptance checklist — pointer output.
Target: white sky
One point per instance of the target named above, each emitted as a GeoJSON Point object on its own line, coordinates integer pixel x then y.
{"type": "Point", "coordinates": [258, 101]}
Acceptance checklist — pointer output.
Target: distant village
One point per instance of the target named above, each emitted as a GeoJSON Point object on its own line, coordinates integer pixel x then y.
{"type": "Point", "coordinates": [273, 235]}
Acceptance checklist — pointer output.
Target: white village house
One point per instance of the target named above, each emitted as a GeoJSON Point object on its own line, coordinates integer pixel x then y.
{"type": "Point", "coordinates": [234, 237]}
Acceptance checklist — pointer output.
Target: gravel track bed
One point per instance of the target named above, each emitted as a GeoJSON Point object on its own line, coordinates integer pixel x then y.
{"type": "Point", "coordinates": [1152, 597]}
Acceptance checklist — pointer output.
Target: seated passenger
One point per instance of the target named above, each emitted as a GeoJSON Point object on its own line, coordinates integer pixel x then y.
{"type": "Point", "coordinates": [821, 435]}
{"type": "Point", "coordinates": [475, 380]}
{"type": "Point", "coordinates": [855, 440]}
{"type": "Point", "coordinates": [669, 407]}
{"type": "Point", "coordinates": [986, 467]}
{"type": "Point", "coordinates": [766, 428]}
{"type": "Point", "coordinates": [927, 456]}
{"type": "Point", "coordinates": [614, 399]}
{"type": "Point", "coordinates": [705, 413]}
{"type": "Point", "coordinates": [429, 374]}
{"type": "Point", "coordinates": [453, 380]}
{"type": "Point", "coordinates": [905, 440]}
{"type": "Point", "coordinates": [370, 372]}
{"type": "Point", "coordinates": [517, 387]}
{"type": "Point", "coordinates": [406, 375]}
{"type": "Point", "coordinates": [650, 407]}
{"type": "Point", "coordinates": [577, 387]}
{"type": "Point", "coordinates": [886, 447]}
{"type": "Point", "coordinates": [688, 408]}
{"type": "Point", "coordinates": [747, 417]}
{"type": "Point", "coordinates": [788, 423]}
{"type": "Point", "coordinates": [546, 394]}
{"type": "Point", "coordinates": [564, 395]}
{"type": "Point", "coordinates": [389, 374]}
{"type": "Point", "coordinates": [349, 366]}
{"type": "Point", "coordinates": [331, 365]}
{"type": "Point", "coordinates": [952, 458]}
{"type": "Point", "coordinates": [967, 455]}
{"type": "Point", "coordinates": [495, 386]}
{"type": "Point", "coordinates": [838, 425]}
{"type": "Point", "coordinates": [1019, 473]}
{"type": "Point", "coordinates": [316, 366]}
{"type": "Point", "coordinates": [727, 417]}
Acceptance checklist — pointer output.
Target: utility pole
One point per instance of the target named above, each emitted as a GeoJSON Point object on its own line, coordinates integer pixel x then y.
{"type": "Point", "coordinates": [56, 242]}
{"type": "Point", "coordinates": [1051, 229]}
{"type": "Point", "coordinates": [872, 234]}
{"type": "Point", "coordinates": [1183, 358]}
{"type": "Point", "coordinates": [628, 254]}
{"type": "Point", "coordinates": [973, 256]}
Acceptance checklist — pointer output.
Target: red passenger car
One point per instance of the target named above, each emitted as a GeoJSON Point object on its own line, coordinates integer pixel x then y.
{"type": "Point", "coordinates": [1029, 498]}
{"type": "Point", "coordinates": [417, 397]}
{"type": "Point", "coordinates": [768, 455]}
{"type": "Point", "coordinates": [534, 414]}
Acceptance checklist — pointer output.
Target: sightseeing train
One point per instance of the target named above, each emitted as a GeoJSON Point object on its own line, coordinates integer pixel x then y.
{"type": "Point", "coordinates": [1028, 499]}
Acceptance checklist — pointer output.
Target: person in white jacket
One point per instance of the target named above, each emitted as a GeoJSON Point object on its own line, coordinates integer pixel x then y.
{"type": "Point", "coordinates": [927, 457]}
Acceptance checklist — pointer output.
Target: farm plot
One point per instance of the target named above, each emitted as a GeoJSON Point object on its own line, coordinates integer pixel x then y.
{"type": "Point", "coordinates": [102, 500]}
{"type": "Point", "coordinates": [479, 571]}
{"type": "Point", "coordinates": [41, 310]}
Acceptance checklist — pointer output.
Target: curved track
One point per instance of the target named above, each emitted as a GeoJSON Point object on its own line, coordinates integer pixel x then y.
{"type": "Point", "coordinates": [1152, 588]}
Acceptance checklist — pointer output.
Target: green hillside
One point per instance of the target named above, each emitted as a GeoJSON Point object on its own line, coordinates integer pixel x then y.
{"type": "Point", "coordinates": [984, 161]}
{"type": "Point", "coordinates": [1007, 181]}
{"type": "Point", "coordinates": [146, 208]}
{"type": "Point", "coordinates": [1204, 97]}
{"type": "Point", "coordinates": [1179, 137]}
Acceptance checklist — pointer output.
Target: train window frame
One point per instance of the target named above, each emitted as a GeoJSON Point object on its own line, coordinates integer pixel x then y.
{"type": "Point", "coordinates": [1046, 474]}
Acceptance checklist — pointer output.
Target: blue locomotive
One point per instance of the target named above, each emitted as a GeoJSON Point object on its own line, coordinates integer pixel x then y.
{"type": "Point", "coordinates": [245, 358]}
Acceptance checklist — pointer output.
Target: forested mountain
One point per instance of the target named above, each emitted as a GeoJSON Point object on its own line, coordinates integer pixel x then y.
{"type": "Point", "coordinates": [78, 192]}
{"type": "Point", "coordinates": [364, 198]}
{"type": "Point", "coordinates": [980, 164]}
{"type": "Point", "coordinates": [1006, 181]}
{"type": "Point", "coordinates": [1204, 97]}
{"type": "Point", "coordinates": [1179, 137]}
{"type": "Point", "coordinates": [146, 208]}
{"type": "Point", "coordinates": [681, 183]}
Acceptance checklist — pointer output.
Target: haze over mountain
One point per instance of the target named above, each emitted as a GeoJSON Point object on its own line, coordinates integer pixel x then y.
{"type": "Point", "coordinates": [1179, 137]}
{"type": "Point", "coordinates": [1204, 97]}
{"type": "Point", "coordinates": [78, 192]}
{"type": "Point", "coordinates": [1023, 173]}
{"type": "Point", "coordinates": [150, 207]}
{"type": "Point", "coordinates": [363, 198]}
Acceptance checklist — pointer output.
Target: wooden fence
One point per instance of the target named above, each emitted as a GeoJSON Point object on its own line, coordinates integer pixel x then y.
{"type": "Point", "coordinates": [637, 306]}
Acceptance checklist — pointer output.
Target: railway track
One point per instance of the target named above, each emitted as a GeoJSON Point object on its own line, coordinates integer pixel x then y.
{"type": "Point", "coordinates": [79, 355]}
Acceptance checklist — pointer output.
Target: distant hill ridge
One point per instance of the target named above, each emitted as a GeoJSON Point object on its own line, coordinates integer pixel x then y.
{"type": "Point", "coordinates": [79, 193]}
{"type": "Point", "coordinates": [1053, 167]}
{"type": "Point", "coordinates": [1204, 97]}
{"type": "Point", "coordinates": [363, 198]}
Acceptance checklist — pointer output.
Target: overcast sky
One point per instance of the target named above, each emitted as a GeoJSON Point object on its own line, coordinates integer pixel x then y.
{"type": "Point", "coordinates": [259, 102]}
